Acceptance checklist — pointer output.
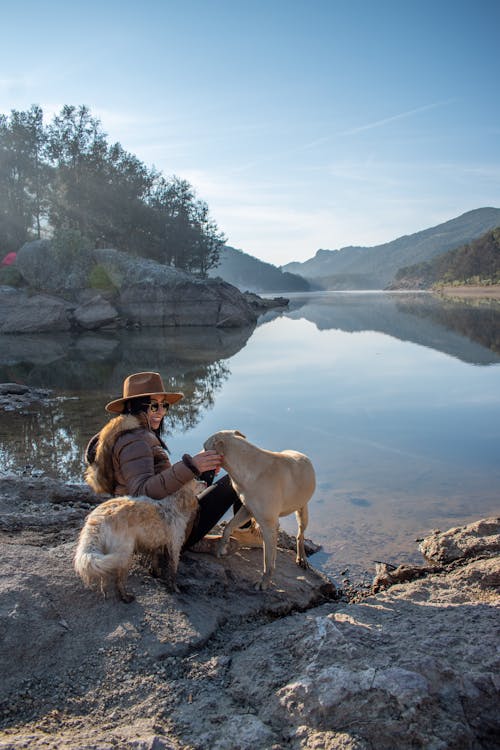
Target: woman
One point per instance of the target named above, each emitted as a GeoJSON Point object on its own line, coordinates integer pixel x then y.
{"type": "Point", "coordinates": [129, 457]}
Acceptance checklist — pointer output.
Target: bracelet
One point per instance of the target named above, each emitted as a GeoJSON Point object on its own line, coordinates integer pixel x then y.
{"type": "Point", "coordinates": [187, 460]}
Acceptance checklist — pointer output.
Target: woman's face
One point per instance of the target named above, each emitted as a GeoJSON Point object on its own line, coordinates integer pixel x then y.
{"type": "Point", "coordinates": [157, 409]}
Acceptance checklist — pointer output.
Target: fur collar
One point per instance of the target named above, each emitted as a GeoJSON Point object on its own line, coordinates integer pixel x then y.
{"type": "Point", "coordinates": [99, 474]}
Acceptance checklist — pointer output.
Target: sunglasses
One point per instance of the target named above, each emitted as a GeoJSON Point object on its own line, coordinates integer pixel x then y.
{"type": "Point", "coordinates": [154, 406]}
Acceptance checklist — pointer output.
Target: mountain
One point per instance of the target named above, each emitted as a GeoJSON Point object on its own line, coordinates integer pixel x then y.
{"type": "Point", "coordinates": [478, 262]}
{"type": "Point", "coordinates": [253, 275]}
{"type": "Point", "coordinates": [375, 267]}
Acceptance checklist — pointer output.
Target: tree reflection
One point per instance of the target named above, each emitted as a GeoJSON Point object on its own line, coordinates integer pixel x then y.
{"type": "Point", "coordinates": [467, 331]}
{"type": "Point", "coordinates": [85, 375]}
{"type": "Point", "coordinates": [478, 320]}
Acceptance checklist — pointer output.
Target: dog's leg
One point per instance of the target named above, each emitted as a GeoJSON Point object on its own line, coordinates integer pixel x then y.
{"type": "Point", "coordinates": [103, 587]}
{"type": "Point", "coordinates": [174, 553]}
{"type": "Point", "coordinates": [240, 517]}
{"type": "Point", "coordinates": [270, 543]}
{"type": "Point", "coordinates": [155, 565]}
{"type": "Point", "coordinates": [120, 578]}
{"type": "Point", "coordinates": [166, 563]}
{"type": "Point", "coordinates": [302, 516]}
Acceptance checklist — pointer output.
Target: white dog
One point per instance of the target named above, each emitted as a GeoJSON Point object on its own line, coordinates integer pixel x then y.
{"type": "Point", "coordinates": [269, 485]}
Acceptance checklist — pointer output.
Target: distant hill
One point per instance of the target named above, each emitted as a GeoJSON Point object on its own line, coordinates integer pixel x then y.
{"type": "Point", "coordinates": [253, 275]}
{"type": "Point", "coordinates": [477, 262]}
{"type": "Point", "coordinates": [375, 267]}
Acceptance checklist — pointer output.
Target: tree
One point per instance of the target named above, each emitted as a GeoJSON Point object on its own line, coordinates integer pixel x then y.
{"type": "Point", "coordinates": [77, 147]}
{"type": "Point", "coordinates": [66, 177]}
{"type": "Point", "coordinates": [23, 177]}
{"type": "Point", "coordinates": [189, 238]}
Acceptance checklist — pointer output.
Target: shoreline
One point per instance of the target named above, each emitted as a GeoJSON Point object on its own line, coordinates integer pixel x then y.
{"type": "Point", "coordinates": [471, 292]}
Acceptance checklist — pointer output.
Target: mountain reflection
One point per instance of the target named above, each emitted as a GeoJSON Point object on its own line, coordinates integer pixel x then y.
{"type": "Point", "coordinates": [467, 330]}
{"type": "Point", "coordinates": [87, 372]}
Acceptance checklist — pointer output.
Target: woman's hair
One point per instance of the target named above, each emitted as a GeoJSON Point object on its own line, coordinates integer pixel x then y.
{"type": "Point", "coordinates": [138, 406]}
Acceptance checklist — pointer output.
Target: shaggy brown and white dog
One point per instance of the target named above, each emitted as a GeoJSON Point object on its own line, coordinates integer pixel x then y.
{"type": "Point", "coordinates": [122, 526]}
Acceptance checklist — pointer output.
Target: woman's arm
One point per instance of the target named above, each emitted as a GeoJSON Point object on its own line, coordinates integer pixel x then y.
{"type": "Point", "coordinates": [135, 466]}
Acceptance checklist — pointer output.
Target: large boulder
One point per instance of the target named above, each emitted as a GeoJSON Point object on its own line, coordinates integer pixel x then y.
{"type": "Point", "coordinates": [124, 270]}
{"type": "Point", "coordinates": [96, 312]}
{"type": "Point", "coordinates": [478, 538]}
{"type": "Point", "coordinates": [42, 269]}
{"type": "Point", "coordinates": [40, 313]}
{"type": "Point", "coordinates": [186, 303]}
{"type": "Point", "coordinates": [151, 294]}
{"type": "Point", "coordinates": [141, 292]}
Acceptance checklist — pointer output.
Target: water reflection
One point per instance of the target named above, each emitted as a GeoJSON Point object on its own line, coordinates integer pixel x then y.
{"type": "Point", "coordinates": [87, 371]}
{"type": "Point", "coordinates": [403, 438]}
{"type": "Point", "coordinates": [467, 330]}
{"type": "Point", "coordinates": [100, 362]}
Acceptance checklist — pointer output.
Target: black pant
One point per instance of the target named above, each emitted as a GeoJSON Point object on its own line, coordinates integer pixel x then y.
{"type": "Point", "coordinates": [214, 502]}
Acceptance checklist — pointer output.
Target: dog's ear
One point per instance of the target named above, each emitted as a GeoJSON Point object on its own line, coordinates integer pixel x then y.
{"type": "Point", "coordinates": [219, 445]}
{"type": "Point", "coordinates": [240, 434]}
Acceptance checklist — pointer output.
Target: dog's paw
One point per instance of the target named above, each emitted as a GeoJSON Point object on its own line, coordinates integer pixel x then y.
{"type": "Point", "coordinates": [302, 562]}
{"type": "Point", "coordinates": [126, 597]}
{"type": "Point", "coordinates": [222, 549]}
{"type": "Point", "coordinates": [264, 584]}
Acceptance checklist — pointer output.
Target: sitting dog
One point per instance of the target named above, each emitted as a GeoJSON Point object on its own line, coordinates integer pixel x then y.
{"type": "Point", "coordinates": [269, 485]}
{"type": "Point", "coordinates": [123, 525]}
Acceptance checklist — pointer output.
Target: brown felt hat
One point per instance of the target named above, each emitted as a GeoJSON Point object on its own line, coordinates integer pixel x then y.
{"type": "Point", "coordinates": [142, 384]}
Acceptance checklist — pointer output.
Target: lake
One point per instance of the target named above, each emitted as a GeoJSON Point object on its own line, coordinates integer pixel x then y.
{"type": "Point", "coordinates": [395, 397]}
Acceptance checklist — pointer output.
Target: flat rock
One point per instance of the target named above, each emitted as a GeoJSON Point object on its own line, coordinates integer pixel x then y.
{"type": "Point", "coordinates": [477, 538]}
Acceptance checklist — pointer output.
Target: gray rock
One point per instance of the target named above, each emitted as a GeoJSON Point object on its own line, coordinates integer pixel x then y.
{"type": "Point", "coordinates": [187, 303]}
{"type": "Point", "coordinates": [42, 270]}
{"type": "Point", "coordinates": [474, 539]}
{"type": "Point", "coordinates": [16, 397]}
{"type": "Point", "coordinates": [10, 300]}
{"type": "Point", "coordinates": [146, 294]}
{"type": "Point", "coordinates": [152, 294]}
{"type": "Point", "coordinates": [95, 313]}
{"type": "Point", "coordinates": [39, 313]}
{"type": "Point", "coordinates": [125, 270]}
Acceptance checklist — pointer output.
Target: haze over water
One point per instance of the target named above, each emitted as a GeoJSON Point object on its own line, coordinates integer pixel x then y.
{"type": "Point", "coordinates": [396, 399]}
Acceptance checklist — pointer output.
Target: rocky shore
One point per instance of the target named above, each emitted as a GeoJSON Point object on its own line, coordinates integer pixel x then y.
{"type": "Point", "coordinates": [222, 666]}
{"type": "Point", "coordinates": [470, 292]}
{"type": "Point", "coordinates": [139, 293]}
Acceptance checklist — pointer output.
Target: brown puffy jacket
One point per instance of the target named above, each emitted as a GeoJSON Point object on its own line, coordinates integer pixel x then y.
{"type": "Point", "coordinates": [127, 458]}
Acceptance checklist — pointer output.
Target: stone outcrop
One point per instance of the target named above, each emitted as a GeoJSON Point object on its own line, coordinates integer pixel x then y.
{"type": "Point", "coordinates": [96, 312]}
{"type": "Point", "coordinates": [17, 396]}
{"type": "Point", "coordinates": [44, 271]}
{"type": "Point", "coordinates": [473, 540]}
{"type": "Point", "coordinates": [142, 293]}
{"type": "Point", "coordinates": [223, 666]}
{"type": "Point", "coordinates": [37, 313]}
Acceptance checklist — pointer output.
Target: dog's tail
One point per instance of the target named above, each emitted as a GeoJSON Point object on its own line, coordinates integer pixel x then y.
{"type": "Point", "coordinates": [95, 559]}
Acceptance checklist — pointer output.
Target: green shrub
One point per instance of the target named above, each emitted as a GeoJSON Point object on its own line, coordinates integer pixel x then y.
{"type": "Point", "coordinates": [10, 276]}
{"type": "Point", "coordinates": [99, 279]}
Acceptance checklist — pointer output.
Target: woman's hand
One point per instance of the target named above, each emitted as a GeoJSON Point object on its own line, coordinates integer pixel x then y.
{"type": "Point", "coordinates": [207, 461]}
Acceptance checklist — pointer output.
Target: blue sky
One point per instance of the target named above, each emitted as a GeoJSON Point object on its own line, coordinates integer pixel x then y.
{"type": "Point", "coordinates": [304, 124]}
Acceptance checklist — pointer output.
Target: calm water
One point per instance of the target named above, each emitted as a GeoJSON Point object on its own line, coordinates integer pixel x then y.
{"type": "Point", "coordinates": [396, 398]}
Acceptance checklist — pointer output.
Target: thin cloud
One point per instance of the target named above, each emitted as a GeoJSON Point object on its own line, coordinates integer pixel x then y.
{"type": "Point", "coordinates": [400, 116]}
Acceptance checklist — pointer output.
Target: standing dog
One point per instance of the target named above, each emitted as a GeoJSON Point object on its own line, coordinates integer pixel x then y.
{"type": "Point", "coordinates": [269, 485]}
{"type": "Point", "coordinates": [123, 525]}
